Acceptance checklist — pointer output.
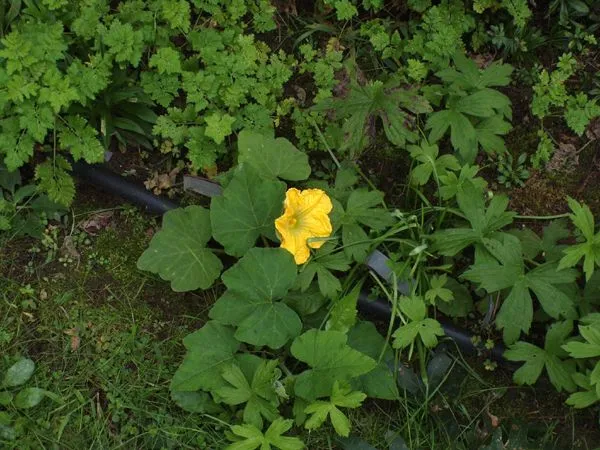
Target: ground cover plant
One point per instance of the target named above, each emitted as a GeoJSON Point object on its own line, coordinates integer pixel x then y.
{"type": "Point", "coordinates": [458, 139]}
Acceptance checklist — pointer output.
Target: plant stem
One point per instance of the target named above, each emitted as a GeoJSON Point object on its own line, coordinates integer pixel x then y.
{"type": "Point", "coordinates": [422, 365]}
{"type": "Point", "coordinates": [335, 160]}
{"type": "Point", "coordinates": [557, 216]}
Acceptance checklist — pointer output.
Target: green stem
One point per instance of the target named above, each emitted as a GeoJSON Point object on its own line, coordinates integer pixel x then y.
{"type": "Point", "coordinates": [557, 216]}
{"type": "Point", "coordinates": [422, 366]}
{"type": "Point", "coordinates": [390, 329]}
{"type": "Point", "coordinates": [335, 160]}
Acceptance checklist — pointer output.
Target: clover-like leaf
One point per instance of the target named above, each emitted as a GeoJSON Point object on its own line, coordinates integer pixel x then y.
{"type": "Point", "coordinates": [178, 251]}
{"type": "Point", "coordinates": [246, 210]}
{"type": "Point", "coordinates": [419, 326]}
{"type": "Point", "coordinates": [429, 163]}
{"type": "Point", "coordinates": [438, 290]}
{"type": "Point", "coordinates": [330, 358]}
{"type": "Point", "coordinates": [272, 157]}
{"type": "Point", "coordinates": [255, 286]}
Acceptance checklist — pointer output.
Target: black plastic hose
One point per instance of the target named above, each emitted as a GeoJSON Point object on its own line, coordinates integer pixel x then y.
{"type": "Point", "coordinates": [378, 308]}
{"type": "Point", "coordinates": [105, 179]}
{"type": "Point", "coordinates": [381, 309]}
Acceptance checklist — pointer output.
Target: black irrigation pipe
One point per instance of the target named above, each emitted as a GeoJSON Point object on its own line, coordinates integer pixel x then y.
{"type": "Point", "coordinates": [107, 180]}
{"type": "Point", "coordinates": [379, 308]}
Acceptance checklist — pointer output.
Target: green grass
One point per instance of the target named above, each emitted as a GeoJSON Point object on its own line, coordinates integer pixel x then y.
{"type": "Point", "coordinates": [106, 340]}
{"type": "Point", "coordinates": [100, 345]}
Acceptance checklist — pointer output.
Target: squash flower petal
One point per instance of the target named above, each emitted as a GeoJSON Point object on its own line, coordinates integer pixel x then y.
{"type": "Point", "coordinates": [305, 219]}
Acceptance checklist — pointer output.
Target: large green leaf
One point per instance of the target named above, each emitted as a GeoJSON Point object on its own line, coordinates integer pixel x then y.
{"type": "Point", "coordinates": [257, 391]}
{"type": "Point", "coordinates": [516, 312]}
{"type": "Point", "coordinates": [379, 382]}
{"type": "Point", "coordinates": [559, 371]}
{"type": "Point", "coordinates": [330, 358]}
{"type": "Point", "coordinates": [209, 351]}
{"type": "Point", "coordinates": [589, 250]}
{"type": "Point", "coordinates": [484, 223]}
{"type": "Point", "coordinates": [178, 251]}
{"type": "Point", "coordinates": [272, 157]}
{"type": "Point", "coordinates": [195, 402]}
{"type": "Point", "coordinates": [246, 210]}
{"type": "Point", "coordinates": [255, 286]}
{"type": "Point", "coordinates": [248, 437]}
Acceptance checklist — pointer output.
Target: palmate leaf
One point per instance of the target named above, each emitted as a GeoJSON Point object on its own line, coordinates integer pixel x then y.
{"type": "Point", "coordinates": [474, 112]}
{"type": "Point", "coordinates": [554, 232]}
{"type": "Point", "coordinates": [430, 164]}
{"type": "Point", "coordinates": [589, 250]}
{"type": "Point", "coordinates": [276, 158]}
{"type": "Point", "coordinates": [550, 357]}
{"type": "Point", "coordinates": [178, 251]}
{"type": "Point", "coordinates": [330, 359]}
{"type": "Point", "coordinates": [548, 244]}
{"type": "Point", "coordinates": [453, 184]}
{"type": "Point", "coordinates": [341, 396]}
{"type": "Point", "coordinates": [255, 286]}
{"type": "Point", "coordinates": [321, 266]}
{"type": "Point", "coordinates": [485, 223]}
{"type": "Point", "coordinates": [590, 348]}
{"type": "Point", "coordinates": [251, 438]}
{"type": "Point", "coordinates": [391, 103]}
{"type": "Point", "coordinates": [468, 76]}
{"type": "Point", "coordinates": [246, 210]}
{"type": "Point", "coordinates": [516, 312]}
{"type": "Point", "coordinates": [462, 132]}
{"type": "Point", "coordinates": [363, 208]}
{"type": "Point", "coordinates": [588, 396]}
{"type": "Point", "coordinates": [258, 394]}
{"type": "Point", "coordinates": [209, 351]}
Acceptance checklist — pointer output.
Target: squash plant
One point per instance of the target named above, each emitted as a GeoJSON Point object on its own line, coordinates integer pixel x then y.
{"type": "Point", "coordinates": [284, 341]}
{"type": "Point", "coordinates": [284, 331]}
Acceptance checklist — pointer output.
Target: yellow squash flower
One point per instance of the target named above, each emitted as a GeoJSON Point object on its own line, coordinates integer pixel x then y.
{"type": "Point", "coordinates": [305, 217]}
